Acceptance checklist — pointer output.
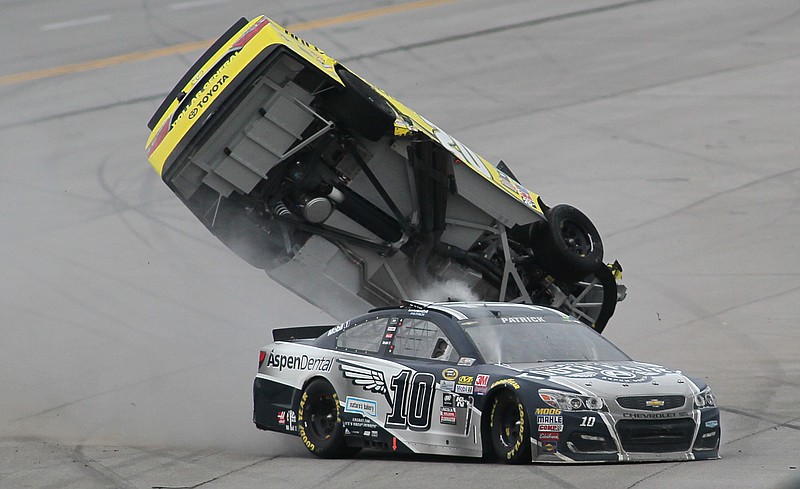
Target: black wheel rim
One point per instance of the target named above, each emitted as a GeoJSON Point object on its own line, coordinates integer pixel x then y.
{"type": "Point", "coordinates": [322, 416]}
{"type": "Point", "coordinates": [510, 425]}
{"type": "Point", "coordinates": [576, 239]}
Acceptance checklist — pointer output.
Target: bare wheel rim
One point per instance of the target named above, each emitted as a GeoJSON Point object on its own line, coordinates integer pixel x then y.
{"type": "Point", "coordinates": [510, 423]}
{"type": "Point", "coordinates": [576, 238]}
{"type": "Point", "coordinates": [322, 417]}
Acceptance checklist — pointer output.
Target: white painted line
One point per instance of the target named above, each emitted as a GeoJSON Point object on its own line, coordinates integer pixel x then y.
{"type": "Point", "coordinates": [75, 22]}
{"type": "Point", "coordinates": [194, 4]}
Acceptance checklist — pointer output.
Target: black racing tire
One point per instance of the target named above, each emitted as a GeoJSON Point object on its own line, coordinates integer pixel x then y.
{"type": "Point", "coordinates": [320, 422]}
{"type": "Point", "coordinates": [360, 107]}
{"type": "Point", "coordinates": [568, 245]}
{"type": "Point", "coordinates": [509, 429]}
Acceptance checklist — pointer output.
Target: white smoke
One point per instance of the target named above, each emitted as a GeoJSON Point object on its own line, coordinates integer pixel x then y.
{"type": "Point", "coordinates": [452, 290]}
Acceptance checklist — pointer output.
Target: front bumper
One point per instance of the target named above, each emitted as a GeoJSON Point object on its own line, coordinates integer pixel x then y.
{"type": "Point", "coordinates": [601, 437]}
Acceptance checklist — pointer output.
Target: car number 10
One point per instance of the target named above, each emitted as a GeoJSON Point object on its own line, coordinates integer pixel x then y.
{"type": "Point", "coordinates": [413, 401]}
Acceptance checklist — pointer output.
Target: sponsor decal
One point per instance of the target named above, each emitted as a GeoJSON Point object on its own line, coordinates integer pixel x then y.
{"type": "Point", "coordinates": [466, 361]}
{"type": "Point", "coordinates": [338, 328]}
{"type": "Point", "coordinates": [551, 427]}
{"type": "Point", "coordinates": [482, 381]}
{"type": "Point", "coordinates": [394, 321]}
{"type": "Point", "coordinates": [548, 436]}
{"type": "Point", "coordinates": [448, 416]}
{"type": "Point", "coordinates": [548, 411]}
{"type": "Point", "coordinates": [447, 399]}
{"type": "Point", "coordinates": [549, 419]}
{"type": "Point", "coordinates": [466, 379]}
{"type": "Point", "coordinates": [288, 419]}
{"type": "Point", "coordinates": [204, 96]}
{"type": "Point", "coordinates": [463, 402]}
{"type": "Point", "coordinates": [523, 319]}
{"type": "Point", "coordinates": [447, 385]}
{"type": "Point", "coordinates": [391, 329]}
{"type": "Point", "coordinates": [712, 424]}
{"type": "Point", "coordinates": [511, 382]}
{"type": "Point", "coordinates": [389, 336]}
{"type": "Point", "coordinates": [299, 362]}
{"type": "Point", "coordinates": [358, 422]}
{"type": "Point", "coordinates": [623, 374]}
{"type": "Point", "coordinates": [450, 374]}
{"type": "Point", "coordinates": [464, 389]}
{"type": "Point", "coordinates": [655, 415]}
{"type": "Point", "coordinates": [360, 406]}
{"type": "Point", "coordinates": [548, 447]}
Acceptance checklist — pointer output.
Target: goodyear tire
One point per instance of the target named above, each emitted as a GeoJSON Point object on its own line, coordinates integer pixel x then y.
{"type": "Point", "coordinates": [568, 245]}
{"type": "Point", "coordinates": [320, 422]}
{"type": "Point", "coordinates": [361, 108]}
{"type": "Point", "coordinates": [509, 429]}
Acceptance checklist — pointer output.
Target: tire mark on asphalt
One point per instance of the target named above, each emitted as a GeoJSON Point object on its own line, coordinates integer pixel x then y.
{"type": "Point", "coordinates": [552, 478]}
{"type": "Point", "coordinates": [707, 198]}
{"type": "Point", "coordinates": [741, 412]}
{"type": "Point", "coordinates": [219, 477]}
{"type": "Point", "coordinates": [654, 474]}
{"type": "Point", "coordinates": [87, 110]}
{"type": "Point", "coordinates": [220, 358]}
{"type": "Point", "coordinates": [499, 29]}
{"type": "Point", "coordinates": [99, 470]}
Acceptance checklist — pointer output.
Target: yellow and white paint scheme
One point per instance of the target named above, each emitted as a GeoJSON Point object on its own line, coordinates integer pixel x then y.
{"type": "Point", "coordinates": [243, 49]}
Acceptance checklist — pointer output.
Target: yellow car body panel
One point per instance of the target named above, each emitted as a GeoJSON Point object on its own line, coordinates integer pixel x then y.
{"type": "Point", "coordinates": [269, 33]}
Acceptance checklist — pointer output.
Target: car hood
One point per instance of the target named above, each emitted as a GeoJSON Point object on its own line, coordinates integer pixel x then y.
{"type": "Point", "coordinates": [609, 379]}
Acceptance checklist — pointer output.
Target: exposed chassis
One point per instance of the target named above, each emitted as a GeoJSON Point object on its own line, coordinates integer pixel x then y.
{"type": "Point", "coordinates": [352, 200]}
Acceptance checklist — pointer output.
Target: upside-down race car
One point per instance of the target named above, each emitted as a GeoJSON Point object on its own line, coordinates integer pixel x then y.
{"type": "Point", "coordinates": [352, 200]}
{"type": "Point", "coordinates": [511, 381]}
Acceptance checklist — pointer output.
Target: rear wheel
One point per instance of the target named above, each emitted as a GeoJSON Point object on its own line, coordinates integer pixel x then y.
{"type": "Point", "coordinates": [320, 422]}
{"type": "Point", "coordinates": [509, 429]}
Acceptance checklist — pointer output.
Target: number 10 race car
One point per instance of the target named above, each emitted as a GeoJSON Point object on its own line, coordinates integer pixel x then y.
{"type": "Point", "coordinates": [352, 200]}
{"type": "Point", "coordinates": [496, 380]}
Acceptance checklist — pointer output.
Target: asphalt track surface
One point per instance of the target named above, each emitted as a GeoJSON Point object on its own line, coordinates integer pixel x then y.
{"type": "Point", "coordinates": [130, 336]}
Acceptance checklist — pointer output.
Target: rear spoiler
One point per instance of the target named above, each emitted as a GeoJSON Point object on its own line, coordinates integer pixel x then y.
{"type": "Point", "coordinates": [300, 332]}
{"type": "Point", "coordinates": [176, 90]}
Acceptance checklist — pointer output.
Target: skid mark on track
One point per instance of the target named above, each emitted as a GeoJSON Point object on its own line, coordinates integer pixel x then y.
{"type": "Point", "coordinates": [219, 477]}
{"type": "Point", "coordinates": [657, 473]}
{"type": "Point", "coordinates": [100, 471]}
{"type": "Point", "coordinates": [498, 29]}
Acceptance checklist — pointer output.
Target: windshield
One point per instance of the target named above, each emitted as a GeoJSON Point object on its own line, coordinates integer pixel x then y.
{"type": "Point", "coordinates": [531, 342]}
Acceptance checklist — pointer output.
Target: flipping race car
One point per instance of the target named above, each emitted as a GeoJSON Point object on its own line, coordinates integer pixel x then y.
{"type": "Point", "coordinates": [514, 382]}
{"type": "Point", "coordinates": [352, 200]}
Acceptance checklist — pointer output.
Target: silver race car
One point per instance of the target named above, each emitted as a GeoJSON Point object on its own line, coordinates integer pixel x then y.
{"type": "Point", "coordinates": [497, 380]}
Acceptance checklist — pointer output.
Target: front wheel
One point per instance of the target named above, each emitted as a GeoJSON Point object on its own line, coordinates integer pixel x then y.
{"type": "Point", "coordinates": [509, 429]}
{"type": "Point", "coordinates": [320, 422]}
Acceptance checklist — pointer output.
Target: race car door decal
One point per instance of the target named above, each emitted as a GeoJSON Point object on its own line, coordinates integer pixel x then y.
{"type": "Point", "coordinates": [412, 401]}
